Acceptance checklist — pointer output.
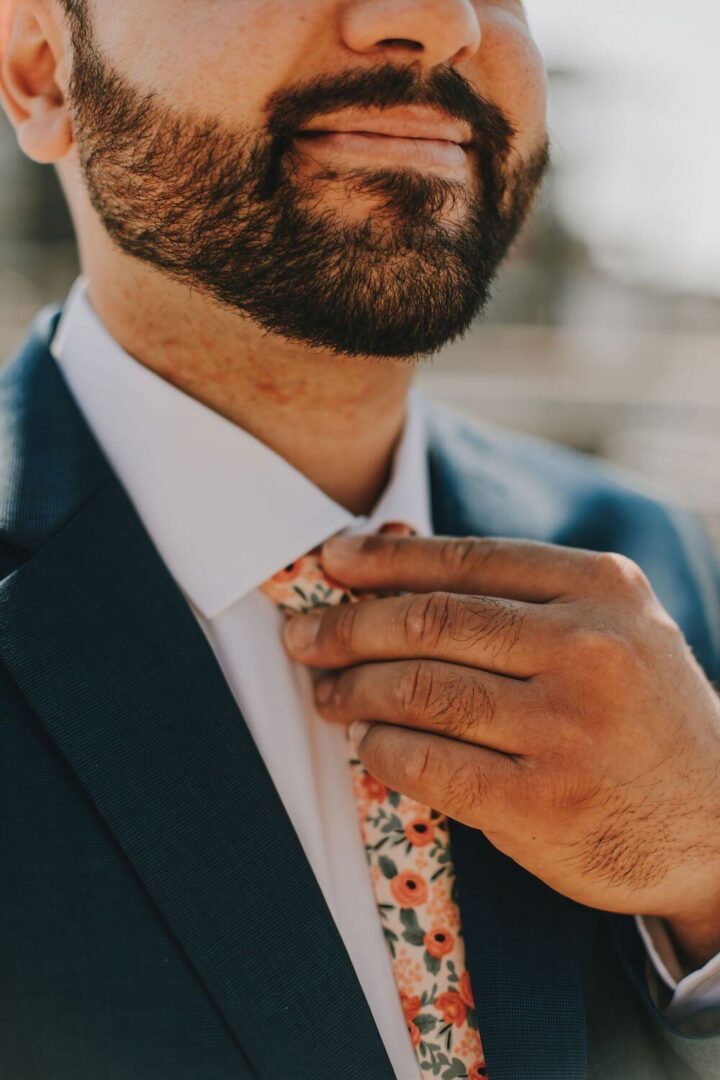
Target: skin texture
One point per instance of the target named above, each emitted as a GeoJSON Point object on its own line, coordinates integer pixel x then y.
{"type": "Point", "coordinates": [236, 55]}
{"type": "Point", "coordinates": [544, 696]}
{"type": "Point", "coordinates": [572, 725]}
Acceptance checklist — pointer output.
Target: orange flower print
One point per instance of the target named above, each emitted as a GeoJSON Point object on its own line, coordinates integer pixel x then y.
{"type": "Point", "coordinates": [374, 790]}
{"type": "Point", "coordinates": [414, 1031]}
{"type": "Point", "coordinates": [452, 1007]}
{"type": "Point", "coordinates": [439, 942]}
{"type": "Point", "coordinates": [410, 1004]}
{"type": "Point", "coordinates": [408, 851]}
{"type": "Point", "coordinates": [420, 832]}
{"type": "Point", "coordinates": [465, 990]}
{"type": "Point", "coordinates": [289, 573]}
{"type": "Point", "coordinates": [409, 889]}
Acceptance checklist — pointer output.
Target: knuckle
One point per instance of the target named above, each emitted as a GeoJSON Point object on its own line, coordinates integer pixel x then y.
{"type": "Point", "coordinates": [620, 572]}
{"type": "Point", "coordinates": [465, 703]}
{"type": "Point", "coordinates": [490, 622]}
{"type": "Point", "coordinates": [467, 788]}
{"type": "Point", "coordinates": [453, 705]}
{"type": "Point", "coordinates": [465, 555]}
{"type": "Point", "coordinates": [415, 690]}
{"type": "Point", "coordinates": [427, 619]}
{"type": "Point", "coordinates": [417, 767]}
{"type": "Point", "coordinates": [344, 628]}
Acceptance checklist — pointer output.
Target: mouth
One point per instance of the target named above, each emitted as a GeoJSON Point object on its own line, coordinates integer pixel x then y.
{"type": "Point", "coordinates": [409, 136]}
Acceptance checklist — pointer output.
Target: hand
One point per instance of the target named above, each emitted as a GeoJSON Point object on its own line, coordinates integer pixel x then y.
{"type": "Point", "coordinates": [542, 695]}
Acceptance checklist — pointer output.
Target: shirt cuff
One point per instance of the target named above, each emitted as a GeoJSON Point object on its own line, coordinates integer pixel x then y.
{"type": "Point", "coordinates": [689, 995]}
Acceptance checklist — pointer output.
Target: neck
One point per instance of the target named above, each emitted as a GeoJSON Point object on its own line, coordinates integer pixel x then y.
{"type": "Point", "coordinates": [336, 419]}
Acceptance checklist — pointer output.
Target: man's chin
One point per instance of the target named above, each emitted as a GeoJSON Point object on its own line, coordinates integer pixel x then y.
{"type": "Point", "coordinates": [382, 198]}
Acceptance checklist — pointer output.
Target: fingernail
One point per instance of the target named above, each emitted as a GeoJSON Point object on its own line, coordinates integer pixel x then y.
{"type": "Point", "coordinates": [302, 630]}
{"type": "Point", "coordinates": [324, 689]}
{"type": "Point", "coordinates": [344, 547]}
{"type": "Point", "coordinates": [358, 730]}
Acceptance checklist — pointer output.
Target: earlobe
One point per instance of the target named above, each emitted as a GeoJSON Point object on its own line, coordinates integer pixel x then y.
{"type": "Point", "coordinates": [31, 94]}
{"type": "Point", "coordinates": [46, 136]}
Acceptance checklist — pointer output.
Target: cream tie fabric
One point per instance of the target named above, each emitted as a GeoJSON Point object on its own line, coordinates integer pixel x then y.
{"type": "Point", "coordinates": [408, 851]}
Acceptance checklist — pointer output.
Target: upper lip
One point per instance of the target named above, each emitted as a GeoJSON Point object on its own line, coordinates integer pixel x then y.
{"type": "Point", "coordinates": [408, 122]}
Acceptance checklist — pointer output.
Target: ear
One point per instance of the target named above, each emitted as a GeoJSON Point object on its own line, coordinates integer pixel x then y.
{"type": "Point", "coordinates": [34, 78]}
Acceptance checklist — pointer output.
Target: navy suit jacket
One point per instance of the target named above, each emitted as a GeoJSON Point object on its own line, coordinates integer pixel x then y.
{"type": "Point", "coordinates": [158, 917]}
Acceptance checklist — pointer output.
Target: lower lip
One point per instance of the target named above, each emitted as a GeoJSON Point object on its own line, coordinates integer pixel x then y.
{"type": "Point", "coordinates": [387, 149]}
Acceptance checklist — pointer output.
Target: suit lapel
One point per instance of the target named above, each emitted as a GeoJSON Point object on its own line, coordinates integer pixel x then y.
{"type": "Point", "coordinates": [106, 651]}
{"type": "Point", "coordinates": [525, 944]}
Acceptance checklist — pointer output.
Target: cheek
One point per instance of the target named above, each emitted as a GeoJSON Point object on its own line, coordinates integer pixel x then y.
{"type": "Point", "coordinates": [213, 58]}
{"type": "Point", "coordinates": [514, 78]}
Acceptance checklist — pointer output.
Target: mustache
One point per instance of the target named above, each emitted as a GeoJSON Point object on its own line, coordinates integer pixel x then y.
{"type": "Point", "coordinates": [444, 89]}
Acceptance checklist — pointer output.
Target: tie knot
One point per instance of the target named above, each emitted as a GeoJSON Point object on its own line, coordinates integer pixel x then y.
{"type": "Point", "coordinates": [305, 585]}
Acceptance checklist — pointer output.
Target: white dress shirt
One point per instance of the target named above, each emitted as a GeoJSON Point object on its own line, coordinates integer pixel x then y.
{"type": "Point", "coordinates": [225, 513]}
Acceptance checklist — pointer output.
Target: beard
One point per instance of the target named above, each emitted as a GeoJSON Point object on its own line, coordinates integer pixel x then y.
{"type": "Point", "coordinates": [232, 215]}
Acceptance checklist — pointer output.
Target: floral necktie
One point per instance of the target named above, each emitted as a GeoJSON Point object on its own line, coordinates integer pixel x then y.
{"type": "Point", "coordinates": [408, 851]}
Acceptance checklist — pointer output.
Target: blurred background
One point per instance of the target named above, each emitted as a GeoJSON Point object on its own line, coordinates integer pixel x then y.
{"type": "Point", "coordinates": [605, 328]}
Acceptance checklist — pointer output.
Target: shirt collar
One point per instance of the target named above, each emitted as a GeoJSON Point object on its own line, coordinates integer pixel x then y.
{"type": "Point", "coordinates": [224, 511]}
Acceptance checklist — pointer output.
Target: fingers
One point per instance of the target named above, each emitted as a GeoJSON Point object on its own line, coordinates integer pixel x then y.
{"type": "Point", "coordinates": [503, 636]}
{"type": "Point", "coordinates": [444, 699]}
{"type": "Point", "coordinates": [474, 786]}
{"type": "Point", "coordinates": [514, 569]}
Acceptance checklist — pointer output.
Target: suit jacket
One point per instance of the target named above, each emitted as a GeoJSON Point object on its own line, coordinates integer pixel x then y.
{"type": "Point", "coordinates": [158, 917]}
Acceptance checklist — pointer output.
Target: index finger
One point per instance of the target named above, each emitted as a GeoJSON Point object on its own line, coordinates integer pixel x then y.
{"type": "Point", "coordinates": [514, 569]}
{"type": "Point", "coordinates": [504, 636]}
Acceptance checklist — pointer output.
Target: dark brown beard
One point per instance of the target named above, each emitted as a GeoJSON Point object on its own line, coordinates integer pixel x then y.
{"type": "Point", "coordinates": [227, 212]}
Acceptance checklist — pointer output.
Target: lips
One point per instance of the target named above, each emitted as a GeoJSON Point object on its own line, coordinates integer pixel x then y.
{"type": "Point", "coordinates": [370, 146]}
{"type": "Point", "coordinates": [409, 122]}
{"type": "Point", "coordinates": [409, 136]}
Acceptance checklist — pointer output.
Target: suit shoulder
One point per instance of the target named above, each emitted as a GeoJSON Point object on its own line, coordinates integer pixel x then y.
{"type": "Point", "coordinates": [493, 482]}
{"type": "Point", "coordinates": [51, 462]}
{"type": "Point", "coordinates": [482, 446]}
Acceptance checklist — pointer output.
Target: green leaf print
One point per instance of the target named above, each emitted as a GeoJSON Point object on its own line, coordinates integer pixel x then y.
{"type": "Point", "coordinates": [394, 798]}
{"type": "Point", "coordinates": [456, 1070]}
{"type": "Point", "coordinates": [387, 866]}
{"type": "Point", "coordinates": [393, 824]}
{"type": "Point", "coordinates": [425, 1023]}
{"type": "Point", "coordinates": [431, 963]}
{"type": "Point", "coordinates": [391, 937]}
{"type": "Point", "coordinates": [409, 919]}
{"type": "Point", "coordinates": [437, 1059]}
{"type": "Point", "coordinates": [414, 933]}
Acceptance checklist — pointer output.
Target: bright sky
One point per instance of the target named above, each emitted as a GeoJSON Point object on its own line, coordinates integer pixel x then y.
{"type": "Point", "coordinates": [638, 144]}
